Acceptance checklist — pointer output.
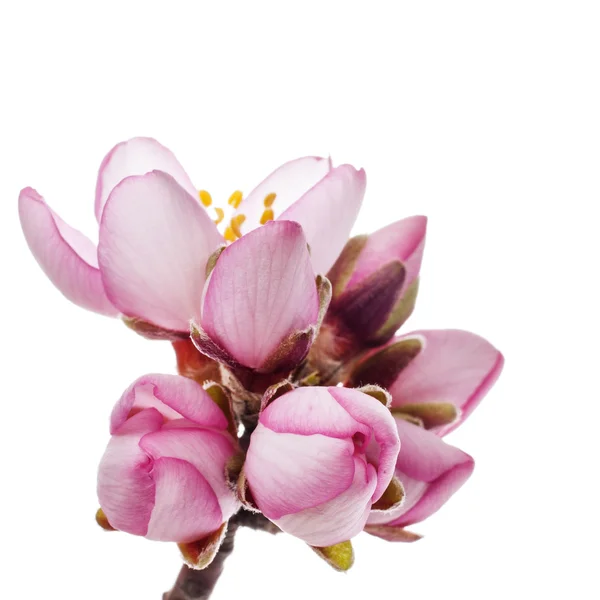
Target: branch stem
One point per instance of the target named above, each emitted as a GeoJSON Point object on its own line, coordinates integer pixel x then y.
{"type": "Point", "coordinates": [199, 585]}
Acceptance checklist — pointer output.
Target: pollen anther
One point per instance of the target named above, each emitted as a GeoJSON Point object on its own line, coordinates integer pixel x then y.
{"type": "Point", "coordinates": [236, 222]}
{"type": "Point", "coordinates": [235, 199]}
{"type": "Point", "coordinates": [269, 199]}
{"type": "Point", "coordinates": [205, 197]}
{"type": "Point", "coordinates": [267, 216]}
{"type": "Point", "coordinates": [220, 215]}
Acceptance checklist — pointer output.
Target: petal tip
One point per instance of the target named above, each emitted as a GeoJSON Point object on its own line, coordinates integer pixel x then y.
{"type": "Point", "coordinates": [30, 193]}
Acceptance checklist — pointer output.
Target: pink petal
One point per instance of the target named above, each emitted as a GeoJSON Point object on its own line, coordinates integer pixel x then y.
{"type": "Point", "coordinates": [155, 240]}
{"type": "Point", "coordinates": [430, 470]}
{"type": "Point", "coordinates": [66, 256]}
{"type": "Point", "coordinates": [339, 519]}
{"type": "Point", "coordinates": [403, 241]}
{"type": "Point", "coordinates": [137, 156]}
{"type": "Point", "coordinates": [453, 366]}
{"type": "Point", "coordinates": [125, 485]}
{"type": "Point", "coordinates": [309, 410]}
{"type": "Point", "coordinates": [327, 213]}
{"type": "Point", "coordinates": [173, 396]}
{"type": "Point", "coordinates": [261, 290]}
{"type": "Point", "coordinates": [289, 182]}
{"type": "Point", "coordinates": [208, 451]}
{"type": "Point", "coordinates": [287, 473]}
{"type": "Point", "coordinates": [369, 411]}
{"type": "Point", "coordinates": [186, 508]}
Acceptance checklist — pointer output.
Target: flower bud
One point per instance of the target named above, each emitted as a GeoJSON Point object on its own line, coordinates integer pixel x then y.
{"type": "Point", "coordinates": [375, 280]}
{"type": "Point", "coordinates": [430, 470]}
{"type": "Point", "coordinates": [438, 376]}
{"type": "Point", "coordinates": [319, 459]}
{"type": "Point", "coordinates": [162, 475]}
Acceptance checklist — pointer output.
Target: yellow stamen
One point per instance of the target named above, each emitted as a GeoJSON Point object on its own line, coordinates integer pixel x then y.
{"type": "Point", "coordinates": [269, 199]}
{"type": "Point", "coordinates": [267, 216]}
{"type": "Point", "coordinates": [230, 235]}
{"type": "Point", "coordinates": [235, 199]}
{"type": "Point", "coordinates": [236, 222]}
{"type": "Point", "coordinates": [220, 215]}
{"type": "Point", "coordinates": [205, 197]}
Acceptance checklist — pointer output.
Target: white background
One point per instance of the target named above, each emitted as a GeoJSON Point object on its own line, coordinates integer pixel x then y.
{"type": "Point", "coordinates": [483, 115]}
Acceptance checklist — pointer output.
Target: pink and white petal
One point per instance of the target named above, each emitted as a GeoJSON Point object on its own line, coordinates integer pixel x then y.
{"type": "Point", "coordinates": [66, 256]}
{"type": "Point", "coordinates": [138, 396]}
{"type": "Point", "coordinates": [424, 455]}
{"type": "Point", "coordinates": [155, 240]}
{"type": "Point", "coordinates": [137, 156]}
{"type": "Point", "coordinates": [433, 496]}
{"type": "Point", "coordinates": [327, 213]}
{"type": "Point", "coordinates": [289, 182]}
{"type": "Point", "coordinates": [125, 486]}
{"type": "Point", "coordinates": [287, 473]}
{"type": "Point", "coordinates": [454, 366]}
{"type": "Point", "coordinates": [430, 470]}
{"type": "Point", "coordinates": [208, 451]}
{"type": "Point", "coordinates": [309, 410]}
{"type": "Point", "coordinates": [372, 413]}
{"type": "Point", "coordinates": [403, 241]}
{"type": "Point", "coordinates": [173, 396]}
{"type": "Point", "coordinates": [186, 508]}
{"type": "Point", "coordinates": [261, 290]}
{"type": "Point", "coordinates": [339, 519]}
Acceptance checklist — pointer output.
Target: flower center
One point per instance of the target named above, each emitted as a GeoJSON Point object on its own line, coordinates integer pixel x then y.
{"type": "Point", "coordinates": [359, 440]}
{"type": "Point", "coordinates": [235, 219]}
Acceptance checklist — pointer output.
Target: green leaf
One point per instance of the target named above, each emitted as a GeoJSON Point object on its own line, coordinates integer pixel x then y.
{"type": "Point", "coordinates": [383, 367]}
{"type": "Point", "coordinates": [339, 556]}
{"type": "Point", "coordinates": [378, 393]}
{"type": "Point", "coordinates": [223, 400]}
{"type": "Point", "coordinates": [342, 270]}
{"type": "Point", "coordinates": [400, 313]}
{"type": "Point", "coordinates": [431, 414]}
{"type": "Point", "coordinates": [393, 496]}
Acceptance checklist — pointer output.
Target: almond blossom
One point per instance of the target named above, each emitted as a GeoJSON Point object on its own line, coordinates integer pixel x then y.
{"type": "Point", "coordinates": [319, 459]}
{"type": "Point", "coordinates": [299, 407]}
{"type": "Point", "coordinates": [156, 234]}
{"type": "Point", "coordinates": [162, 473]}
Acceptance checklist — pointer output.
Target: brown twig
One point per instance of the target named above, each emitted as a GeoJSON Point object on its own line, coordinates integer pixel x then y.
{"type": "Point", "coordinates": [199, 585]}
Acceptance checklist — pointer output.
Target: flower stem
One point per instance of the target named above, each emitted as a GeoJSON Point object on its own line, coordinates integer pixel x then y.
{"type": "Point", "coordinates": [198, 585]}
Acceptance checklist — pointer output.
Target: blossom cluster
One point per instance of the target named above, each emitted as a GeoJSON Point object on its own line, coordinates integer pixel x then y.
{"type": "Point", "coordinates": [296, 397]}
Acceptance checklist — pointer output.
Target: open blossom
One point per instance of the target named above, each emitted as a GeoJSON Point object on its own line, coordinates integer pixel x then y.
{"type": "Point", "coordinates": [156, 234]}
{"type": "Point", "coordinates": [319, 459]}
{"type": "Point", "coordinates": [163, 473]}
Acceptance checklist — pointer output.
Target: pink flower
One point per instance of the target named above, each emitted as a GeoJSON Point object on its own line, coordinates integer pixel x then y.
{"type": "Point", "coordinates": [261, 304]}
{"type": "Point", "coordinates": [318, 460]}
{"type": "Point", "coordinates": [155, 235]}
{"type": "Point", "coordinates": [402, 241]}
{"type": "Point", "coordinates": [430, 470]}
{"type": "Point", "coordinates": [375, 281]}
{"type": "Point", "coordinates": [436, 376]}
{"type": "Point", "coordinates": [162, 475]}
